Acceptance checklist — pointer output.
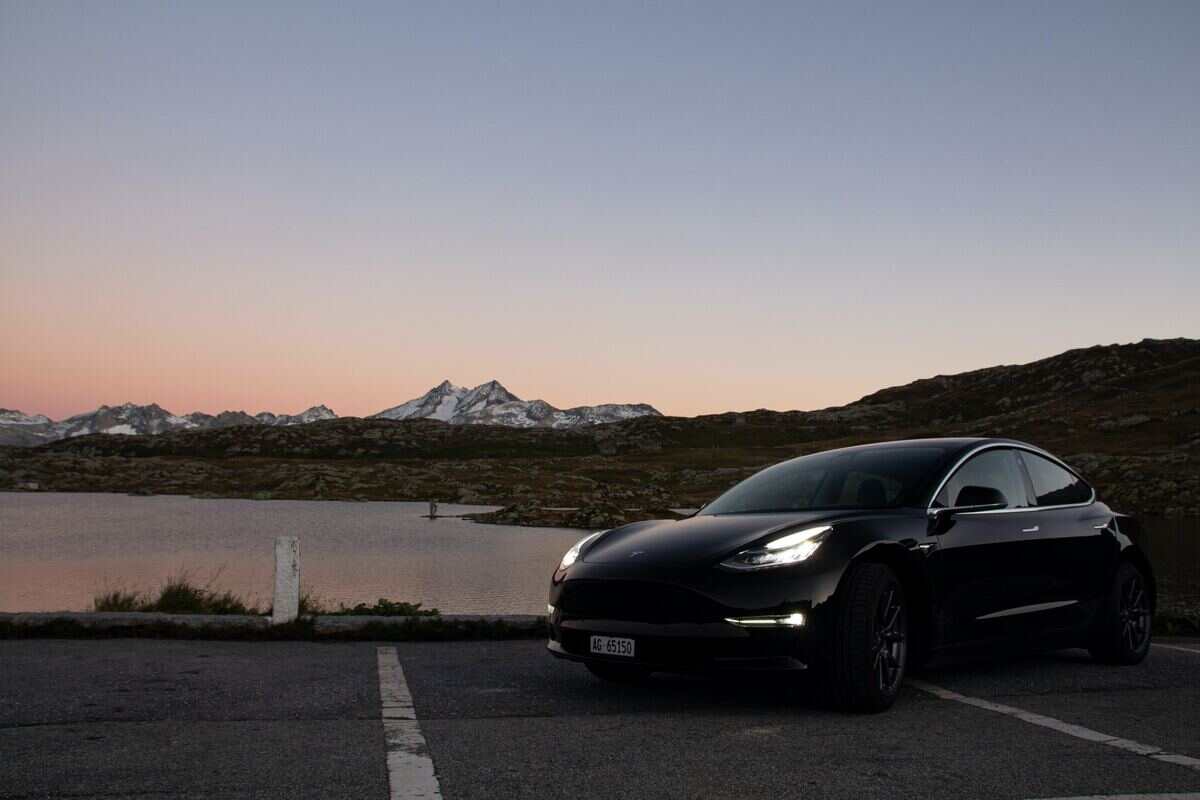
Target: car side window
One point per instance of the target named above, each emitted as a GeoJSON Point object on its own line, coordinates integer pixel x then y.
{"type": "Point", "coordinates": [992, 469]}
{"type": "Point", "coordinates": [1053, 485]}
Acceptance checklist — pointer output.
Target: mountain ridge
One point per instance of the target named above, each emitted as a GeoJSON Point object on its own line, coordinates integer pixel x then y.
{"type": "Point", "coordinates": [489, 403]}
{"type": "Point", "coordinates": [28, 430]}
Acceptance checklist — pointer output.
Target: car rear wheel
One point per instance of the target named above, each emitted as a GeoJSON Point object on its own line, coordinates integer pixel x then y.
{"type": "Point", "coordinates": [618, 673]}
{"type": "Point", "coordinates": [1123, 631]}
{"type": "Point", "coordinates": [870, 644]}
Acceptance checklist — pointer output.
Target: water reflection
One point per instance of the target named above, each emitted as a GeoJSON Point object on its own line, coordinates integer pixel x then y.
{"type": "Point", "coordinates": [58, 550]}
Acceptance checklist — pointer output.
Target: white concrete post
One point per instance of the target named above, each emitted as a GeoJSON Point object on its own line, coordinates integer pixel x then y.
{"type": "Point", "coordinates": [286, 606]}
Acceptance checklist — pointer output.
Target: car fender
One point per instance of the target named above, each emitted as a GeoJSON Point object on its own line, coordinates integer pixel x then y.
{"type": "Point", "coordinates": [1128, 532]}
{"type": "Point", "coordinates": [911, 567]}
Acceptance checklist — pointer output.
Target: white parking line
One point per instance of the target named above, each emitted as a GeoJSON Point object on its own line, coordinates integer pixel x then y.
{"type": "Point", "coordinates": [1078, 731]}
{"type": "Point", "coordinates": [1176, 647]}
{"type": "Point", "coordinates": [410, 769]}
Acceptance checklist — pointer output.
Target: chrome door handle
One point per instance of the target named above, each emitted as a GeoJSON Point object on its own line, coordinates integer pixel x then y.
{"type": "Point", "coordinates": [1034, 529]}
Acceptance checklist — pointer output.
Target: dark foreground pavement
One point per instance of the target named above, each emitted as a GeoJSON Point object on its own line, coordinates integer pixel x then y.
{"type": "Point", "coordinates": [189, 719]}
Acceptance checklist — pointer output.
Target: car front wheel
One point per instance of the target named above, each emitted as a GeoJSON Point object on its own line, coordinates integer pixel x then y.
{"type": "Point", "coordinates": [870, 644]}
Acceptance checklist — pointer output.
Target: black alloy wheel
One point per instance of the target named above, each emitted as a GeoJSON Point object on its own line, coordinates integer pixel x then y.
{"type": "Point", "coordinates": [890, 641]}
{"type": "Point", "coordinates": [1123, 630]}
{"type": "Point", "coordinates": [865, 668]}
{"type": "Point", "coordinates": [1134, 614]}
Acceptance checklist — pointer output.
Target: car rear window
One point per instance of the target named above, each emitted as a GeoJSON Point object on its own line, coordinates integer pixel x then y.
{"type": "Point", "coordinates": [1053, 485]}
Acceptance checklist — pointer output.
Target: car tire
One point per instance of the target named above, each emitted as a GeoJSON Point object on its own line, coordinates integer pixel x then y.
{"type": "Point", "coordinates": [870, 647]}
{"type": "Point", "coordinates": [619, 673]}
{"type": "Point", "coordinates": [1122, 633]}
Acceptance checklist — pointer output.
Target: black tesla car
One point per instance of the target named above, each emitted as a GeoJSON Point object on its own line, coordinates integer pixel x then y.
{"type": "Point", "coordinates": [855, 563]}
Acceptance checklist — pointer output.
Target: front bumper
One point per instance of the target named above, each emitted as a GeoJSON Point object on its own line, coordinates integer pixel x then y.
{"type": "Point", "coordinates": [680, 625]}
{"type": "Point", "coordinates": [760, 650]}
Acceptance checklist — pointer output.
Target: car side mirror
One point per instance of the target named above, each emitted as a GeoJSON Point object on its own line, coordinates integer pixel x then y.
{"type": "Point", "coordinates": [970, 498]}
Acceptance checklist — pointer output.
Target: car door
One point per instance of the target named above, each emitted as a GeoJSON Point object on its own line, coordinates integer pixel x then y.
{"type": "Point", "coordinates": [989, 567]}
{"type": "Point", "coordinates": [1078, 551]}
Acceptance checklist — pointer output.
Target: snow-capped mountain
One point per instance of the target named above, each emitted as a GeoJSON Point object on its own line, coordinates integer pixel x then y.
{"type": "Point", "coordinates": [226, 419]}
{"type": "Point", "coordinates": [485, 396]}
{"type": "Point", "coordinates": [440, 402]}
{"type": "Point", "coordinates": [123, 419]}
{"type": "Point", "coordinates": [450, 403]}
{"type": "Point", "coordinates": [314, 414]}
{"type": "Point", "coordinates": [9, 417]}
{"type": "Point", "coordinates": [491, 404]}
{"type": "Point", "coordinates": [34, 429]}
{"type": "Point", "coordinates": [25, 430]}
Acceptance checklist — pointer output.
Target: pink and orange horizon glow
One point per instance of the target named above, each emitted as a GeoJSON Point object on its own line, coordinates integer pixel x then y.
{"type": "Point", "coordinates": [697, 208]}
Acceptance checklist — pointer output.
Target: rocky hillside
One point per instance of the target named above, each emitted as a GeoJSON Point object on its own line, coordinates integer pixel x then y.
{"type": "Point", "coordinates": [1127, 416]}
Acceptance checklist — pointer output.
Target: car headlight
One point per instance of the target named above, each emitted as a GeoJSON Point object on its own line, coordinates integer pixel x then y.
{"type": "Point", "coordinates": [789, 549]}
{"type": "Point", "coordinates": [572, 555]}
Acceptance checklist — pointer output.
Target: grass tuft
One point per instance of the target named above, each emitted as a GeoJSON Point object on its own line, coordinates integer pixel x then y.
{"type": "Point", "coordinates": [118, 600]}
{"type": "Point", "coordinates": [384, 608]}
{"type": "Point", "coordinates": [179, 594]}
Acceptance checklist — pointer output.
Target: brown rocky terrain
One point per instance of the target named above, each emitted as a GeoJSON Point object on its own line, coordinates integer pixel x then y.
{"type": "Point", "coordinates": [591, 516]}
{"type": "Point", "coordinates": [1126, 416]}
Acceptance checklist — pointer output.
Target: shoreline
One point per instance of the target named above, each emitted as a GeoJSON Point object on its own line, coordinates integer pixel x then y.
{"type": "Point", "coordinates": [530, 514]}
{"type": "Point", "coordinates": [331, 627]}
{"type": "Point", "coordinates": [334, 627]}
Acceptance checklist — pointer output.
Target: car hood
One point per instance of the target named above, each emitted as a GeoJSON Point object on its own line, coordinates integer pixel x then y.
{"type": "Point", "coordinates": [697, 539]}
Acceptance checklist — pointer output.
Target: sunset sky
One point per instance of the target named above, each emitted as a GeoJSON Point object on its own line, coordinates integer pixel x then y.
{"type": "Point", "coordinates": [703, 206]}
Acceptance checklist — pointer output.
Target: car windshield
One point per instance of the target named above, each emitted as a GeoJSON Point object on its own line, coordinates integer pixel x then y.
{"type": "Point", "coordinates": [874, 477]}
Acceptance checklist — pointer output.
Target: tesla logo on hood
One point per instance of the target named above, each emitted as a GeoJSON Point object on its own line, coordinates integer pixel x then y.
{"type": "Point", "coordinates": [637, 553]}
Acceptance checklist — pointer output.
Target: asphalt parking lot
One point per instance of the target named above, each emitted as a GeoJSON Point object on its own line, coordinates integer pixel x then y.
{"type": "Point", "coordinates": [189, 719]}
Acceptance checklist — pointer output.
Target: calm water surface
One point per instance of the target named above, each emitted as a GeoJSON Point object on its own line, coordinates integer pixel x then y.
{"type": "Point", "coordinates": [58, 550]}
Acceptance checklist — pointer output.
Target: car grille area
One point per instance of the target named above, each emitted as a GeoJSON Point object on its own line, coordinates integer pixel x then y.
{"type": "Point", "coordinates": [636, 601]}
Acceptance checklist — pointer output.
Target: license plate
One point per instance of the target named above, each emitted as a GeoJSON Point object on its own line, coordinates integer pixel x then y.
{"type": "Point", "coordinates": [612, 646]}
